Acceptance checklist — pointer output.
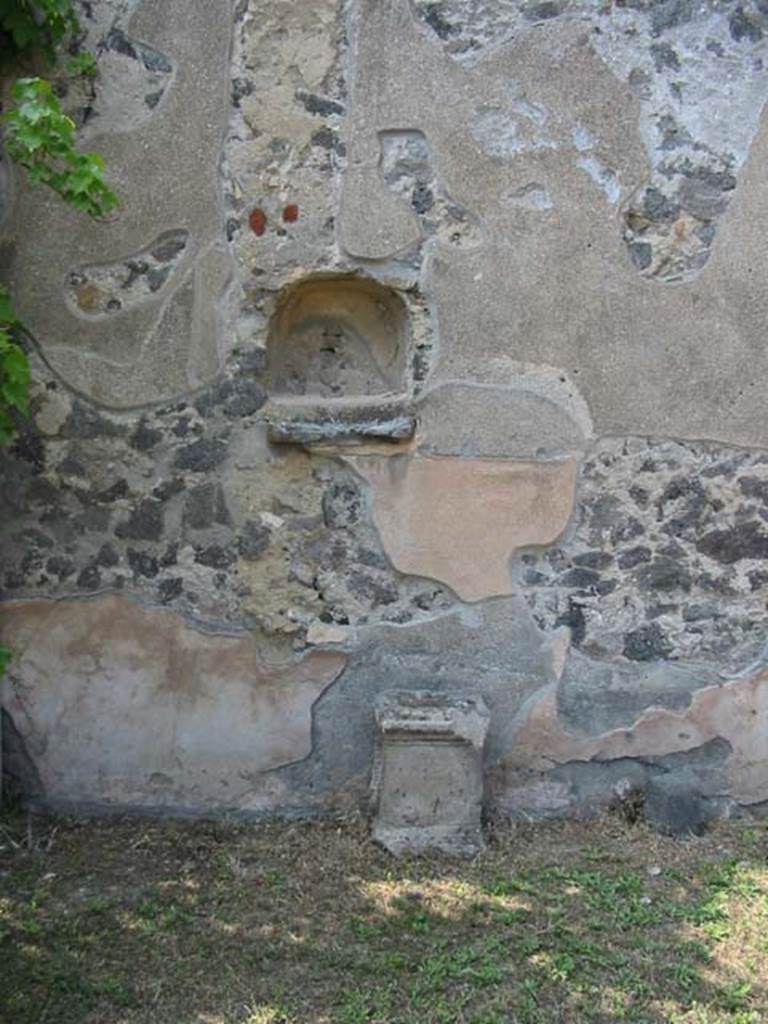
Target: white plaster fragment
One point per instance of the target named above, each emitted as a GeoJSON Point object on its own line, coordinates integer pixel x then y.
{"type": "Point", "coordinates": [500, 135]}
{"type": "Point", "coordinates": [602, 176]}
{"type": "Point", "coordinates": [273, 521]}
{"type": "Point", "coordinates": [53, 413]}
{"type": "Point", "coordinates": [327, 633]}
{"type": "Point", "coordinates": [582, 140]}
{"type": "Point", "coordinates": [531, 197]}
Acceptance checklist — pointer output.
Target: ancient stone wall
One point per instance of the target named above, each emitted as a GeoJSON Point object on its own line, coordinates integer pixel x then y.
{"type": "Point", "coordinates": [426, 350]}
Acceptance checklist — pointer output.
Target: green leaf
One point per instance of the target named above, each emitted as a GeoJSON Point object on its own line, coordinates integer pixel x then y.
{"type": "Point", "coordinates": [14, 378]}
{"type": "Point", "coordinates": [84, 64]}
{"type": "Point", "coordinates": [7, 316]}
{"type": "Point", "coordinates": [34, 25]}
{"type": "Point", "coordinates": [41, 137]}
{"type": "Point", "coordinates": [7, 426]}
{"type": "Point", "coordinates": [14, 371]}
{"type": "Point", "coordinates": [6, 656]}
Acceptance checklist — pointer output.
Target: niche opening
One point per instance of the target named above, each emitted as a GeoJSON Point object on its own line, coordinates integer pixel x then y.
{"type": "Point", "coordinates": [337, 337]}
{"type": "Point", "coordinates": [336, 362]}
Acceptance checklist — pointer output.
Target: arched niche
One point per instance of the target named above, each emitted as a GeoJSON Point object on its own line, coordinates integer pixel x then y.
{"type": "Point", "coordinates": [337, 337]}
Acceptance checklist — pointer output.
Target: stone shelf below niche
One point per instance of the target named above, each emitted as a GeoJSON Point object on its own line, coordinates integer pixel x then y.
{"type": "Point", "coordinates": [338, 422]}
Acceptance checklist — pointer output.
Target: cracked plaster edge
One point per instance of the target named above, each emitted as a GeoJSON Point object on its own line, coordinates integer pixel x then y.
{"type": "Point", "coordinates": [193, 623]}
{"type": "Point", "coordinates": [541, 707]}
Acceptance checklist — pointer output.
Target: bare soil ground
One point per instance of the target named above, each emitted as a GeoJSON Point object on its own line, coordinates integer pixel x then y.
{"type": "Point", "coordinates": [126, 922]}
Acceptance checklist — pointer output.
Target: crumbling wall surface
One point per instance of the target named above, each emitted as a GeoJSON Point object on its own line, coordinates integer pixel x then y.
{"type": "Point", "coordinates": [426, 351]}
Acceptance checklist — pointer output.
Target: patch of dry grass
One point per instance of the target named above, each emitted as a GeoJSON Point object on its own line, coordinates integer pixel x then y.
{"type": "Point", "coordinates": [125, 922]}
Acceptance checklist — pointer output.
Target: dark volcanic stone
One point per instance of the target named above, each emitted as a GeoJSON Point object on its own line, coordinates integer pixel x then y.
{"type": "Point", "coordinates": [657, 207]}
{"type": "Point", "coordinates": [433, 16]}
{"type": "Point", "coordinates": [89, 578]}
{"type": "Point", "coordinates": [641, 254]}
{"type": "Point", "coordinates": [157, 277]}
{"type": "Point", "coordinates": [70, 466]}
{"type": "Point", "coordinates": [153, 60]}
{"type": "Point", "coordinates": [168, 245]}
{"type": "Point", "coordinates": [85, 422]}
{"type": "Point", "coordinates": [119, 43]}
{"type": "Point", "coordinates": [144, 437]}
{"type": "Point", "coordinates": [543, 11]}
{"type": "Point", "coordinates": [639, 495]}
{"type": "Point", "coordinates": [214, 557]}
{"type": "Point", "coordinates": [206, 505]}
{"type": "Point", "coordinates": [582, 578]}
{"type": "Point", "coordinates": [254, 359]}
{"type": "Point", "coordinates": [745, 540]}
{"type": "Point", "coordinates": [107, 556]}
{"type": "Point", "coordinates": [60, 566]}
{"type": "Point", "coordinates": [207, 402]}
{"type": "Point", "coordinates": [170, 556]}
{"type": "Point", "coordinates": [319, 105]}
{"type": "Point", "coordinates": [668, 13]}
{"type": "Point", "coordinates": [664, 574]}
{"type": "Point", "coordinates": [574, 619]}
{"type": "Point", "coordinates": [42, 492]}
{"type": "Point", "coordinates": [37, 537]}
{"type": "Point", "coordinates": [30, 448]}
{"type": "Point", "coordinates": [145, 522]}
{"type": "Point", "coordinates": [342, 506]}
{"type": "Point", "coordinates": [422, 198]}
{"type": "Point", "coordinates": [324, 138]}
{"type": "Point", "coordinates": [594, 559]}
{"type": "Point", "coordinates": [239, 396]}
{"type": "Point", "coordinates": [675, 808]}
{"type": "Point", "coordinates": [648, 643]}
{"type": "Point", "coordinates": [142, 563]}
{"type": "Point", "coordinates": [118, 490]}
{"type": "Point", "coordinates": [167, 489]}
{"type": "Point", "coordinates": [606, 586]}
{"type": "Point", "coordinates": [743, 27]}
{"type": "Point", "coordinates": [201, 456]}
{"type": "Point", "coordinates": [92, 520]}
{"type": "Point", "coordinates": [627, 530]}
{"type": "Point", "coordinates": [664, 56]}
{"type": "Point", "coordinates": [629, 559]}
{"type": "Point", "coordinates": [253, 541]}
{"type": "Point", "coordinates": [378, 592]}
{"type": "Point", "coordinates": [170, 588]}
{"type": "Point", "coordinates": [247, 399]}
{"type": "Point", "coordinates": [754, 487]}
{"type": "Point", "coordinates": [241, 87]}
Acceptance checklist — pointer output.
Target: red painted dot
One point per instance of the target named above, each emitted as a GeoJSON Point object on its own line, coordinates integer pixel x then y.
{"type": "Point", "coordinates": [258, 221]}
{"type": "Point", "coordinates": [291, 213]}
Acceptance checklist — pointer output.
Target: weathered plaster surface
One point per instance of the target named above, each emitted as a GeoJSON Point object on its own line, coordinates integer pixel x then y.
{"type": "Point", "coordinates": [552, 283]}
{"type": "Point", "coordinates": [428, 342]}
{"type": "Point", "coordinates": [733, 713]}
{"type": "Point", "coordinates": [119, 704]}
{"type": "Point", "coordinates": [459, 521]}
{"type": "Point", "coordinates": [129, 346]}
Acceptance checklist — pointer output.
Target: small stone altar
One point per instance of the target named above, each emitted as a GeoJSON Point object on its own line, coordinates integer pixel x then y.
{"type": "Point", "coordinates": [427, 778]}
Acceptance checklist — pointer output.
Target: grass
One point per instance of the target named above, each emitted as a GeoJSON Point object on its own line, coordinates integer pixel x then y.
{"type": "Point", "coordinates": [124, 922]}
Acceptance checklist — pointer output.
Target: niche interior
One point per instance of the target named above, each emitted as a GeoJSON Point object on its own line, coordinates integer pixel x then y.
{"type": "Point", "coordinates": [337, 353]}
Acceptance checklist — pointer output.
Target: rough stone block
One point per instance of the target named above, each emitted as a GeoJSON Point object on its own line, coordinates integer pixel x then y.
{"type": "Point", "coordinates": [428, 780]}
{"type": "Point", "coordinates": [676, 808]}
{"type": "Point", "coordinates": [339, 422]}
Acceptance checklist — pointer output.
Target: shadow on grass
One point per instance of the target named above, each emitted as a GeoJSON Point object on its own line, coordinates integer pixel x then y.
{"type": "Point", "coordinates": [108, 922]}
